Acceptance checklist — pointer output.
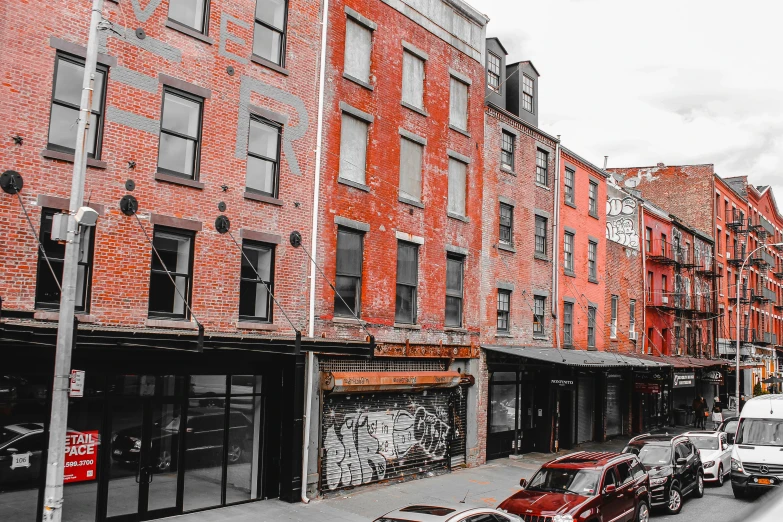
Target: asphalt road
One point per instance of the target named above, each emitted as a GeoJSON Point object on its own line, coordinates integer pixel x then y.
{"type": "Point", "coordinates": [717, 505]}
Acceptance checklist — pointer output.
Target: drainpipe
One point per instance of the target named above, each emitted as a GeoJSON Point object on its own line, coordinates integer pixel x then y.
{"type": "Point", "coordinates": [309, 368]}
{"type": "Point", "coordinates": [643, 248]}
{"type": "Point", "coordinates": [555, 256]}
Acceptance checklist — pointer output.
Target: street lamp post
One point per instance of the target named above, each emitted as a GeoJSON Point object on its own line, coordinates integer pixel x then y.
{"type": "Point", "coordinates": [739, 321]}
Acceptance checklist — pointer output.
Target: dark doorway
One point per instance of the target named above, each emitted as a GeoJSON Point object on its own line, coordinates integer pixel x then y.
{"type": "Point", "coordinates": [566, 419]}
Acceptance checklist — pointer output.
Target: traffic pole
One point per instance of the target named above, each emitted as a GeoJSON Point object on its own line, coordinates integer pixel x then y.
{"type": "Point", "coordinates": [53, 494]}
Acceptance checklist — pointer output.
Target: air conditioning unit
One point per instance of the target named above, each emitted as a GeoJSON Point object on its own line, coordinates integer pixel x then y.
{"type": "Point", "coordinates": [665, 299]}
{"type": "Point", "coordinates": [633, 336]}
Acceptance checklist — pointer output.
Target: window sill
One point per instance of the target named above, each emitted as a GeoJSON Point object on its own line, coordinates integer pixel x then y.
{"type": "Point", "coordinates": [507, 248]}
{"type": "Point", "coordinates": [415, 109]}
{"type": "Point", "coordinates": [572, 205]}
{"type": "Point", "coordinates": [182, 324]}
{"type": "Point", "coordinates": [452, 215]}
{"type": "Point", "coordinates": [268, 64]}
{"type": "Point", "coordinates": [540, 337]}
{"type": "Point", "coordinates": [504, 335]}
{"type": "Point", "coordinates": [354, 184]}
{"type": "Point", "coordinates": [540, 185]}
{"type": "Point", "coordinates": [55, 316]}
{"type": "Point", "coordinates": [461, 131]}
{"type": "Point", "coordinates": [569, 273]}
{"type": "Point", "coordinates": [541, 257]}
{"type": "Point", "coordinates": [359, 82]}
{"type": "Point", "coordinates": [184, 29]}
{"type": "Point", "coordinates": [455, 329]}
{"type": "Point", "coordinates": [176, 180]}
{"type": "Point", "coordinates": [507, 170]}
{"type": "Point", "coordinates": [250, 325]}
{"type": "Point", "coordinates": [411, 202]}
{"type": "Point", "coordinates": [262, 198]}
{"type": "Point", "coordinates": [592, 280]}
{"type": "Point", "coordinates": [593, 215]}
{"type": "Point", "coordinates": [350, 321]}
{"type": "Point", "coordinates": [66, 156]}
{"type": "Point", "coordinates": [407, 326]}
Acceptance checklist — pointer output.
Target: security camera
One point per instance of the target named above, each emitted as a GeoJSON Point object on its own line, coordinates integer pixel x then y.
{"type": "Point", "coordinates": [86, 217]}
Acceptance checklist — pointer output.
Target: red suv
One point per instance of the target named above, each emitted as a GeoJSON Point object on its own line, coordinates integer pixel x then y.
{"type": "Point", "coordinates": [584, 487]}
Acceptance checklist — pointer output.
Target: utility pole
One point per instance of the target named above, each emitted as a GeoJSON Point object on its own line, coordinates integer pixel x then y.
{"type": "Point", "coordinates": [53, 495]}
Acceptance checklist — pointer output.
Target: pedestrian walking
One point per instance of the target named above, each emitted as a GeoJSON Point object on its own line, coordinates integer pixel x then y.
{"type": "Point", "coordinates": [700, 408]}
{"type": "Point", "coordinates": [695, 405]}
{"type": "Point", "coordinates": [717, 414]}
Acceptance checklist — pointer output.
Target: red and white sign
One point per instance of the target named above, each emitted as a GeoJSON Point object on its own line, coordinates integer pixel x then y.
{"type": "Point", "coordinates": [81, 456]}
{"type": "Point", "coordinates": [77, 383]}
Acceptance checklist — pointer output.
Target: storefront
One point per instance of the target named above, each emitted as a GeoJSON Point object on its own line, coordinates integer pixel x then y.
{"type": "Point", "coordinates": [650, 409]}
{"type": "Point", "coordinates": [615, 404]}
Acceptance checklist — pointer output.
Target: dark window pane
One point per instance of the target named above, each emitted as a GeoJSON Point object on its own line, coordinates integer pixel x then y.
{"type": "Point", "coordinates": [407, 263]}
{"type": "Point", "coordinates": [347, 289]}
{"type": "Point", "coordinates": [405, 304]}
{"type": "Point", "coordinates": [453, 311]}
{"type": "Point", "coordinates": [349, 253]}
{"type": "Point", "coordinates": [454, 276]}
{"type": "Point", "coordinates": [204, 443]}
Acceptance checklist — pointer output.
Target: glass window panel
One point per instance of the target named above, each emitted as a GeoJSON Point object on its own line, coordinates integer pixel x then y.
{"type": "Point", "coordinates": [457, 186]}
{"type": "Point", "coordinates": [242, 438]}
{"type": "Point", "coordinates": [124, 448]}
{"type": "Point", "coordinates": [453, 311]}
{"type": "Point", "coordinates": [353, 149]}
{"type": "Point", "coordinates": [454, 276]}
{"type": "Point", "coordinates": [207, 385]}
{"type": "Point", "coordinates": [68, 85]}
{"type": "Point", "coordinates": [181, 115]}
{"type": "Point", "coordinates": [174, 250]}
{"type": "Point", "coordinates": [261, 175]}
{"type": "Point", "coordinates": [503, 408]}
{"type": "Point", "coordinates": [405, 304]}
{"type": "Point", "coordinates": [63, 126]}
{"type": "Point", "coordinates": [358, 44]}
{"type": "Point", "coordinates": [245, 384]}
{"type": "Point", "coordinates": [253, 300]}
{"type": "Point", "coordinates": [165, 297]}
{"type": "Point", "coordinates": [349, 253]}
{"type": "Point", "coordinates": [204, 439]}
{"type": "Point", "coordinates": [271, 12]}
{"type": "Point", "coordinates": [458, 104]}
{"type": "Point", "coordinates": [264, 139]}
{"type": "Point", "coordinates": [188, 12]}
{"type": "Point", "coordinates": [347, 289]}
{"type": "Point", "coordinates": [97, 95]}
{"type": "Point", "coordinates": [412, 80]}
{"type": "Point", "coordinates": [410, 169]}
{"type": "Point", "coordinates": [504, 376]}
{"type": "Point", "coordinates": [407, 264]}
{"type": "Point", "coordinates": [267, 43]}
{"type": "Point", "coordinates": [176, 154]}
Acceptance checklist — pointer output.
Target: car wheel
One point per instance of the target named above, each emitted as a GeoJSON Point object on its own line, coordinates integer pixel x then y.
{"type": "Point", "coordinates": [721, 478]}
{"type": "Point", "coordinates": [642, 512]}
{"type": "Point", "coordinates": [675, 500]}
{"type": "Point", "coordinates": [699, 491]}
{"type": "Point", "coordinates": [738, 492]}
{"type": "Point", "coordinates": [234, 452]}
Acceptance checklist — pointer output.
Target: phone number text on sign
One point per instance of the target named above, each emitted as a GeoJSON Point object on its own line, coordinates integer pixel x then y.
{"type": "Point", "coordinates": [81, 456]}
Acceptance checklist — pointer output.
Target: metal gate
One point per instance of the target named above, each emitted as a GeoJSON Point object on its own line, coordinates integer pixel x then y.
{"type": "Point", "coordinates": [585, 402]}
{"type": "Point", "coordinates": [459, 423]}
{"type": "Point", "coordinates": [614, 414]}
{"type": "Point", "coordinates": [372, 437]}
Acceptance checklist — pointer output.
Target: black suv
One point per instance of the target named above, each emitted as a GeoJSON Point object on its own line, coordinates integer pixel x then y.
{"type": "Point", "coordinates": [674, 465]}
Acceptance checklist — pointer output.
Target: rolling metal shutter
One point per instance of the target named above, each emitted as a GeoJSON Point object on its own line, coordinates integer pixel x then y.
{"type": "Point", "coordinates": [585, 402]}
{"type": "Point", "coordinates": [372, 437]}
{"type": "Point", "coordinates": [614, 416]}
{"type": "Point", "coordinates": [459, 422]}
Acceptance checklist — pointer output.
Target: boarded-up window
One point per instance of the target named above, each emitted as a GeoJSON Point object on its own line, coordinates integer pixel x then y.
{"type": "Point", "coordinates": [458, 104]}
{"type": "Point", "coordinates": [358, 43]}
{"type": "Point", "coordinates": [410, 169]}
{"type": "Point", "coordinates": [353, 148]}
{"type": "Point", "coordinates": [457, 181]}
{"type": "Point", "coordinates": [412, 80]}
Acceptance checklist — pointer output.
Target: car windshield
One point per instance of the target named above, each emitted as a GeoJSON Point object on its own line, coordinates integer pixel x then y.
{"type": "Point", "coordinates": [651, 455]}
{"type": "Point", "coordinates": [704, 443]}
{"type": "Point", "coordinates": [7, 435]}
{"type": "Point", "coordinates": [760, 432]}
{"type": "Point", "coordinates": [557, 480]}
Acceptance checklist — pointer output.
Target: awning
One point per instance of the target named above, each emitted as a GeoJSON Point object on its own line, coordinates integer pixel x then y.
{"type": "Point", "coordinates": [580, 358]}
{"type": "Point", "coordinates": [355, 382]}
{"type": "Point", "coordinates": [685, 362]}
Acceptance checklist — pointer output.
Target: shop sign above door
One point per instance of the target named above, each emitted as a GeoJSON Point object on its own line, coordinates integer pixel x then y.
{"type": "Point", "coordinates": [684, 380]}
{"type": "Point", "coordinates": [567, 384]}
{"type": "Point", "coordinates": [713, 377]}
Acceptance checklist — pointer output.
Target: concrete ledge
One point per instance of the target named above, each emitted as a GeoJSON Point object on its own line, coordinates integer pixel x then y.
{"type": "Point", "coordinates": [171, 323]}
{"type": "Point", "coordinates": [250, 325]}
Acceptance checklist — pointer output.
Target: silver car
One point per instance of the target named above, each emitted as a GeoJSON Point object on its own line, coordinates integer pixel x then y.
{"type": "Point", "coordinates": [447, 513]}
{"type": "Point", "coordinates": [715, 453]}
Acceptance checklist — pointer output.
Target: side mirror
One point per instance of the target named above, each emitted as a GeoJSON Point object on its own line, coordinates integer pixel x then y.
{"type": "Point", "coordinates": [11, 450]}
{"type": "Point", "coordinates": [611, 488]}
{"type": "Point", "coordinates": [682, 461]}
{"type": "Point", "coordinates": [523, 483]}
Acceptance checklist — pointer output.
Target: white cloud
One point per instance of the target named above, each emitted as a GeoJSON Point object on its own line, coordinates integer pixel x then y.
{"type": "Point", "coordinates": [666, 81]}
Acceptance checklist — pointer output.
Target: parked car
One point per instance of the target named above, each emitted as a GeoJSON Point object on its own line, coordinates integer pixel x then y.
{"type": "Point", "coordinates": [729, 427]}
{"type": "Point", "coordinates": [715, 452]}
{"type": "Point", "coordinates": [204, 435]}
{"type": "Point", "coordinates": [447, 513]}
{"type": "Point", "coordinates": [757, 454]}
{"type": "Point", "coordinates": [585, 486]}
{"type": "Point", "coordinates": [674, 466]}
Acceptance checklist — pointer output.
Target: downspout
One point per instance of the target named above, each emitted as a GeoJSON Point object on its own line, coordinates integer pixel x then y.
{"type": "Point", "coordinates": [555, 256]}
{"type": "Point", "coordinates": [643, 248]}
{"type": "Point", "coordinates": [314, 249]}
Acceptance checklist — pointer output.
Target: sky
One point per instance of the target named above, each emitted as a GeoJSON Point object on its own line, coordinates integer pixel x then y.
{"type": "Point", "coordinates": [647, 82]}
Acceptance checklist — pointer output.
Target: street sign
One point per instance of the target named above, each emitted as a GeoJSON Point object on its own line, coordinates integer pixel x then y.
{"type": "Point", "coordinates": [684, 380]}
{"type": "Point", "coordinates": [77, 384]}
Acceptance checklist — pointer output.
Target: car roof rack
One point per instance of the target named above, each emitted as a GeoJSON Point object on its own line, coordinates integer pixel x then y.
{"type": "Point", "coordinates": [639, 437]}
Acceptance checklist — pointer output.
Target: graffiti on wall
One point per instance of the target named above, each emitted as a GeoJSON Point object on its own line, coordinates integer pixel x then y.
{"type": "Point", "coordinates": [622, 217]}
{"type": "Point", "coordinates": [378, 442]}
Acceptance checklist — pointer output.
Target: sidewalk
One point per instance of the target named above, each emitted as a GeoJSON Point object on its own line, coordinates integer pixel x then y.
{"type": "Point", "coordinates": [485, 485]}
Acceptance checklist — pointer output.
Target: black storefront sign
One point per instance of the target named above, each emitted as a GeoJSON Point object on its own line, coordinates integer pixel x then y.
{"type": "Point", "coordinates": [684, 380]}
{"type": "Point", "coordinates": [713, 377]}
{"type": "Point", "coordinates": [562, 383]}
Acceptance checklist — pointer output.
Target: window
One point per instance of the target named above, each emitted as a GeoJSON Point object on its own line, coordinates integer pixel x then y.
{"type": "Point", "coordinates": [506, 223]}
{"type": "Point", "coordinates": [358, 44]}
{"type": "Point", "coordinates": [407, 282]}
{"type": "Point", "coordinates": [632, 316]}
{"type": "Point", "coordinates": [504, 310]}
{"type": "Point", "coordinates": [454, 274]}
{"type": "Point", "coordinates": [568, 253]}
{"type": "Point", "coordinates": [648, 239]}
{"type": "Point", "coordinates": [591, 327]}
{"type": "Point", "coordinates": [263, 157]}
{"type": "Point", "coordinates": [457, 186]}
{"type": "Point", "coordinates": [192, 13]}
{"type": "Point", "coordinates": [412, 80]}
{"type": "Point", "coordinates": [180, 134]}
{"type": "Point", "coordinates": [66, 100]}
{"type": "Point", "coordinates": [47, 294]}
{"type": "Point", "coordinates": [613, 325]}
{"type": "Point", "coordinates": [458, 104]}
{"type": "Point", "coordinates": [270, 30]}
{"type": "Point", "coordinates": [541, 223]}
{"type": "Point", "coordinates": [649, 286]}
{"type": "Point", "coordinates": [411, 154]}
{"type": "Point", "coordinates": [542, 165]}
{"type": "Point", "coordinates": [664, 283]}
{"type": "Point", "coordinates": [569, 186]}
{"type": "Point", "coordinates": [624, 472]}
{"type": "Point", "coordinates": [493, 72]}
{"type": "Point", "coordinates": [353, 149]}
{"type": "Point", "coordinates": [348, 275]}
{"type": "Point", "coordinates": [592, 265]}
{"type": "Point", "coordinates": [527, 93]}
{"type": "Point", "coordinates": [256, 282]}
{"type": "Point", "coordinates": [568, 324]}
{"type": "Point", "coordinates": [539, 305]}
{"type": "Point", "coordinates": [507, 150]}
{"type": "Point", "coordinates": [593, 195]}
{"type": "Point", "coordinates": [173, 251]}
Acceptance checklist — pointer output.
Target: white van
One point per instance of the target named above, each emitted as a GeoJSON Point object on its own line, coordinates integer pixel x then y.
{"type": "Point", "coordinates": [757, 455]}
